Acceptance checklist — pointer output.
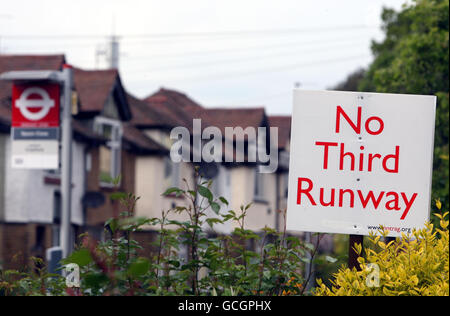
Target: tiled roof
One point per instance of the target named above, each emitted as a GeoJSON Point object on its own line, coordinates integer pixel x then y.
{"type": "Point", "coordinates": [85, 134]}
{"type": "Point", "coordinates": [241, 117]}
{"type": "Point", "coordinates": [94, 87]}
{"type": "Point", "coordinates": [176, 106]}
{"type": "Point", "coordinates": [170, 96]}
{"type": "Point", "coordinates": [283, 122]}
{"type": "Point", "coordinates": [182, 110]}
{"type": "Point", "coordinates": [31, 62]}
{"type": "Point", "coordinates": [139, 142]}
{"type": "Point", "coordinates": [145, 116]}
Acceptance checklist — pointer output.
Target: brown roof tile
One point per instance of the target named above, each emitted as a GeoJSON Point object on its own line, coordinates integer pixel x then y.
{"type": "Point", "coordinates": [94, 87]}
{"type": "Point", "coordinates": [170, 96]}
{"type": "Point", "coordinates": [283, 122]}
{"type": "Point", "coordinates": [182, 109]}
{"type": "Point", "coordinates": [145, 116]}
{"type": "Point", "coordinates": [175, 105]}
{"type": "Point", "coordinates": [240, 117]}
{"type": "Point", "coordinates": [139, 142]}
{"type": "Point", "coordinates": [31, 62]}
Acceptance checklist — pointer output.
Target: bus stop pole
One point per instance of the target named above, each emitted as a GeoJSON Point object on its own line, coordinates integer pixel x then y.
{"type": "Point", "coordinates": [66, 161]}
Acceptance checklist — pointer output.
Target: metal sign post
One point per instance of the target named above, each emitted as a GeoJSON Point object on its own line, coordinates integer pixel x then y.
{"type": "Point", "coordinates": [66, 160]}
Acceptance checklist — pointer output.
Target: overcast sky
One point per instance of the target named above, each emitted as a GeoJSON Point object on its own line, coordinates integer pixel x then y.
{"type": "Point", "coordinates": [222, 53]}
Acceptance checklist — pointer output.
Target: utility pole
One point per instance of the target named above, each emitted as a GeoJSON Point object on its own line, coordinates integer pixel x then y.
{"type": "Point", "coordinates": [99, 51]}
{"type": "Point", "coordinates": [114, 53]}
{"type": "Point", "coordinates": [110, 53]}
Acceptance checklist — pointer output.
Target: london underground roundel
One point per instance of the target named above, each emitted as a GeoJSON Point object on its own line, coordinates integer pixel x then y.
{"type": "Point", "coordinates": [35, 105]}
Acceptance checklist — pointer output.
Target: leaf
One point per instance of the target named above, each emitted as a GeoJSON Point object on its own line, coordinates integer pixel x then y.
{"type": "Point", "coordinates": [330, 259]}
{"type": "Point", "coordinates": [358, 248]}
{"type": "Point", "coordinates": [93, 280]}
{"type": "Point", "coordinates": [205, 192]}
{"type": "Point", "coordinates": [172, 190]}
{"type": "Point", "coordinates": [80, 257]}
{"type": "Point", "coordinates": [118, 196]}
{"type": "Point", "coordinates": [175, 263]}
{"type": "Point", "coordinates": [139, 267]}
{"type": "Point", "coordinates": [305, 260]}
{"type": "Point", "coordinates": [193, 193]}
{"type": "Point", "coordinates": [112, 223]}
{"type": "Point", "coordinates": [438, 204]}
{"type": "Point", "coordinates": [212, 221]}
{"type": "Point", "coordinates": [116, 180]}
{"type": "Point", "coordinates": [223, 200]}
{"type": "Point", "coordinates": [215, 207]}
{"type": "Point", "coordinates": [309, 246]}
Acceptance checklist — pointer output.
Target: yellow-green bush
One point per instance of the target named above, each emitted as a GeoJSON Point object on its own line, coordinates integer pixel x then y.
{"type": "Point", "coordinates": [416, 264]}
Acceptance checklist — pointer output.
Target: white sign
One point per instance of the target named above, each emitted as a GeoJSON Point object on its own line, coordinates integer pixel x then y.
{"type": "Point", "coordinates": [360, 161]}
{"type": "Point", "coordinates": [35, 148]}
{"type": "Point", "coordinates": [35, 125]}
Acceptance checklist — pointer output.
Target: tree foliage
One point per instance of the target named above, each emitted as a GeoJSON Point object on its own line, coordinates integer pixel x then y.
{"type": "Point", "coordinates": [413, 59]}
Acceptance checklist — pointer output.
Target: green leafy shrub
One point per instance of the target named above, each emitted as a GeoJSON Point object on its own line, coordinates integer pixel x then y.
{"type": "Point", "coordinates": [417, 264]}
{"type": "Point", "coordinates": [215, 265]}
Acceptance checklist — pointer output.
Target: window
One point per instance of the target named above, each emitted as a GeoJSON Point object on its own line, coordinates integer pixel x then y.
{"type": "Point", "coordinates": [56, 218]}
{"type": "Point", "coordinates": [259, 185]}
{"type": "Point", "coordinates": [286, 184]}
{"type": "Point", "coordinates": [40, 238]}
{"type": "Point", "coordinates": [221, 185]}
{"type": "Point", "coordinates": [171, 173]}
{"type": "Point", "coordinates": [110, 154]}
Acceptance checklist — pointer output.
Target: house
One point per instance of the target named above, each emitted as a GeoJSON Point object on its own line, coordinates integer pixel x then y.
{"type": "Point", "coordinates": [116, 134]}
{"type": "Point", "coordinates": [238, 182]}
{"type": "Point", "coordinates": [244, 184]}
{"type": "Point", "coordinates": [102, 108]}
{"type": "Point", "coordinates": [283, 123]}
{"type": "Point", "coordinates": [104, 146]}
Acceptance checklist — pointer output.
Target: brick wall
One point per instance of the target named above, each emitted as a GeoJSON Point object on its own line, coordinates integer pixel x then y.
{"type": "Point", "coordinates": [18, 242]}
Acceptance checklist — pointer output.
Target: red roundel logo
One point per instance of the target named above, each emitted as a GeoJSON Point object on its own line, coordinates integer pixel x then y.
{"type": "Point", "coordinates": [35, 105]}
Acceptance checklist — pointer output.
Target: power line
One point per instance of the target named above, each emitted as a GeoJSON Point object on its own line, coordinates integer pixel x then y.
{"type": "Point", "coordinates": [236, 33]}
{"type": "Point", "coordinates": [84, 45]}
{"type": "Point", "coordinates": [289, 67]}
{"type": "Point", "coordinates": [233, 60]}
{"type": "Point", "coordinates": [247, 32]}
{"type": "Point", "coordinates": [240, 49]}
